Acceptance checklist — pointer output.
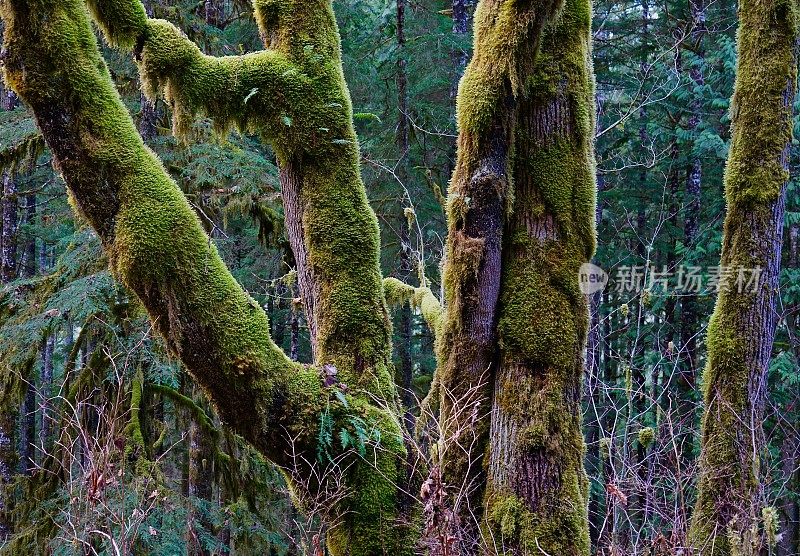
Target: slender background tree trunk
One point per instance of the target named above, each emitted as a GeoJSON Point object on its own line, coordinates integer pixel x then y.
{"type": "Point", "coordinates": [727, 515]}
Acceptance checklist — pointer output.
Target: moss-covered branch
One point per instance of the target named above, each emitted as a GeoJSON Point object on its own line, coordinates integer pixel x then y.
{"type": "Point", "coordinates": [295, 97]}
{"type": "Point", "coordinates": [421, 299]}
{"type": "Point", "coordinates": [727, 514]}
{"type": "Point", "coordinates": [256, 92]}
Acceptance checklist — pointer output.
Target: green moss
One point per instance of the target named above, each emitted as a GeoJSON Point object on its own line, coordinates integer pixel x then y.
{"type": "Point", "coordinates": [294, 96]}
{"type": "Point", "coordinates": [421, 299]}
{"type": "Point", "coordinates": [520, 531]}
{"type": "Point", "coordinates": [133, 430]}
{"type": "Point", "coordinates": [726, 514]}
{"type": "Point", "coordinates": [646, 436]}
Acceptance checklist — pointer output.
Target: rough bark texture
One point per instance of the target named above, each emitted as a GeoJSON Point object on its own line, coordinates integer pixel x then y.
{"type": "Point", "coordinates": [538, 491]}
{"type": "Point", "coordinates": [157, 247]}
{"type": "Point", "coordinates": [507, 35]}
{"type": "Point", "coordinates": [726, 519]}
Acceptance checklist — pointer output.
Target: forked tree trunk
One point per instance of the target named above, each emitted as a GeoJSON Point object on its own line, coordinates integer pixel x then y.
{"type": "Point", "coordinates": [507, 36]}
{"type": "Point", "coordinates": [157, 247]}
{"type": "Point", "coordinates": [537, 495]}
{"type": "Point", "coordinates": [727, 515]}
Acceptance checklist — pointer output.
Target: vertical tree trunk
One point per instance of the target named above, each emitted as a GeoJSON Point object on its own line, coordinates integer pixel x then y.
{"type": "Point", "coordinates": [29, 414]}
{"type": "Point", "coordinates": [294, 326]}
{"type": "Point", "coordinates": [404, 346]}
{"type": "Point", "coordinates": [537, 495]}
{"type": "Point", "coordinates": [45, 389]}
{"type": "Point", "coordinates": [689, 302]}
{"type": "Point", "coordinates": [9, 214]}
{"type": "Point", "coordinates": [730, 493]}
{"type": "Point", "coordinates": [8, 263]}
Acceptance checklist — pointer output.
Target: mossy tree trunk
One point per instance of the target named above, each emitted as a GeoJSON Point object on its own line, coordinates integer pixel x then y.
{"type": "Point", "coordinates": [294, 96]}
{"type": "Point", "coordinates": [507, 36]}
{"type": "Point", "coordinates": [727, 514]}
{"type": "Point", "coordinates": [537, 496]}
{"type": "Point", "coordinates": [199, 481]}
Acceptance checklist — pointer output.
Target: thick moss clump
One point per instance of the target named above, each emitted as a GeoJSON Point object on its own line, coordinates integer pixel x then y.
{"type": "Point", "coordinates": [728, 512]}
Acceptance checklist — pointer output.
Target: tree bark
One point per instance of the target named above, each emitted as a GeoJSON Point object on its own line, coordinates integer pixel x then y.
{"type": "Point", "coordinates": [507, 36]}
{"type": "Point", "coordinates": [537, 495]}
{"type": "Point", "coordinates": [27, 452]}
{"type": "Point", "coordinates": [727, 514]}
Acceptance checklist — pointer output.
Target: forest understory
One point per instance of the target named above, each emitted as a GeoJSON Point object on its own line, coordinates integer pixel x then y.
{"type": "Point", "coordinates": [407, 277]}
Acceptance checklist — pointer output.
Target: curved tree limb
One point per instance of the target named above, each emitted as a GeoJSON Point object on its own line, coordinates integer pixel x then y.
{"type": "Point", "coordinates": [157, 247]}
